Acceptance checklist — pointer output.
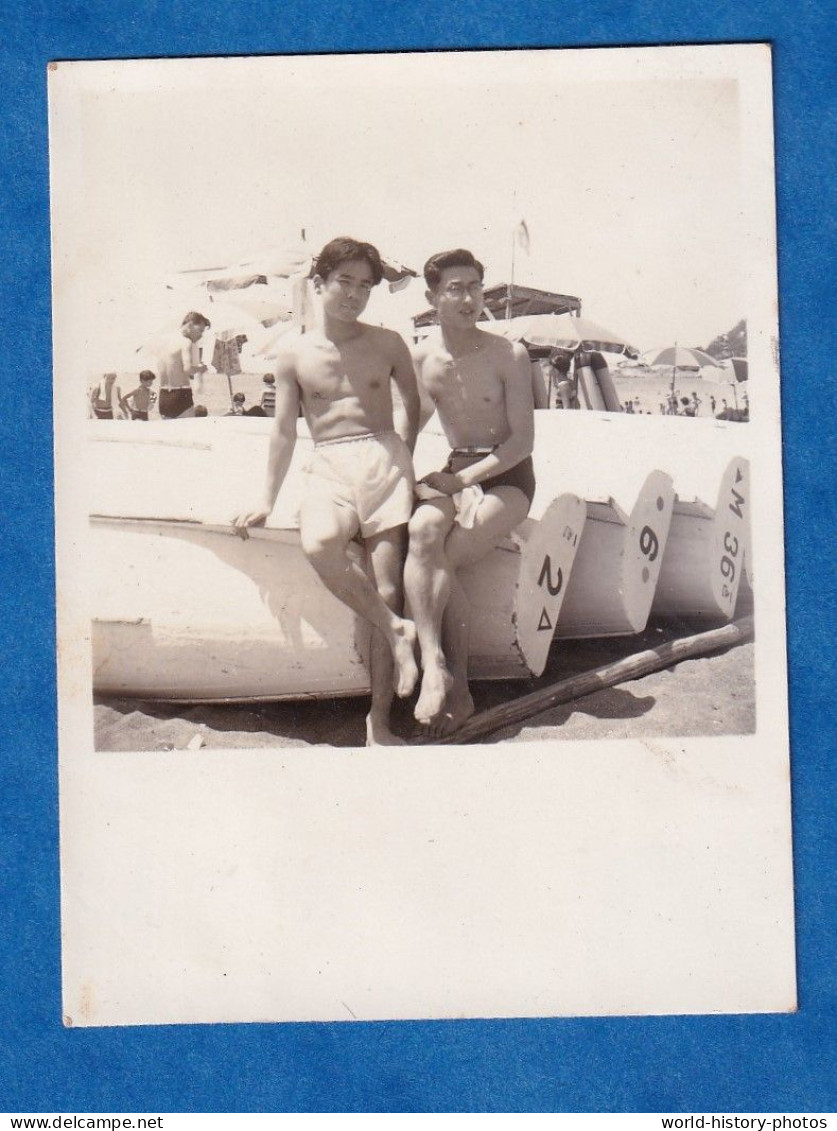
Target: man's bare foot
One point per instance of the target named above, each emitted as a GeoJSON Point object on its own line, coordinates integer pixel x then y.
{"type": "Point", "coordinates": [379, 734]}
{"type": "Point", "coordinates": [435, 685]}
{"type": "Point", "coordinates": [459, 706]}
{"type": "Point", "coordinates": [403, 653]}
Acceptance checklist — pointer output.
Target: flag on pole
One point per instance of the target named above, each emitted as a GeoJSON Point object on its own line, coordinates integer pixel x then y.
{"type": "Point", "coordinates": [521, 235]}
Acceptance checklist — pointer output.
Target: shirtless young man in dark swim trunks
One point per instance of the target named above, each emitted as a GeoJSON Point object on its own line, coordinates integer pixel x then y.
{"type": "Point", "coordinates": [360, 479]}
{"type": "Point", "coordinates": [481, 386]}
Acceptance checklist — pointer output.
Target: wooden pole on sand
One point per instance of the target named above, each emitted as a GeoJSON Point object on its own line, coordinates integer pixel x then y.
{"type": "Point", "coordinates": [567, 690]}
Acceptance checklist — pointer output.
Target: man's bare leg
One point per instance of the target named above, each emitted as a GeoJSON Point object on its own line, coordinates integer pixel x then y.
{"type": "Point", "coordinates": [427, 581]}
{"type": "Point", "coordinates": [325, 532]}
{"type": "Point", "coordinates": [456, 634]}
{"type": "Point", "coordinates": [502, 509]}
{"type": "Point", "coordinates": [385, 560]}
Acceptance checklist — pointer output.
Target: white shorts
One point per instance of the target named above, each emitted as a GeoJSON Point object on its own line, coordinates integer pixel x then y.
{"type": "Point", "coordinates": [372, 476]}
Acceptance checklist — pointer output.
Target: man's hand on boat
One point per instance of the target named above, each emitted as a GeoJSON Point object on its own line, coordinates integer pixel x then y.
{"type": "Point", "coordinates": [248, 519]}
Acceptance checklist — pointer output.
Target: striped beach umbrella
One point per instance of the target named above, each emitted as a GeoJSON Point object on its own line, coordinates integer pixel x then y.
{"type": "Point", "coordinates": [680, 357]}
{"type": "Point", "coordinates": [546, 331]}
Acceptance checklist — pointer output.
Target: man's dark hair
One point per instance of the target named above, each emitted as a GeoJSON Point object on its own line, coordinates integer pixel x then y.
{"type": "Point", "coordinates": [147, 375]}
{"type": "Point", "coordinates": [458, 257]}
{"type": "Point", "coordinates": [196, 317]}
{"type": "Point", "coordinates": [343, 249]}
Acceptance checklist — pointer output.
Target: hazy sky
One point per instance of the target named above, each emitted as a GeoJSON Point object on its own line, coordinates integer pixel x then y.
{"type": "Point", "coordinates": [625, 166]}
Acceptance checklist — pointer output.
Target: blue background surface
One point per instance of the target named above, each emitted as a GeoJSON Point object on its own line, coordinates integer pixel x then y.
{"type": "Point", "coordinates": [773, 1063]}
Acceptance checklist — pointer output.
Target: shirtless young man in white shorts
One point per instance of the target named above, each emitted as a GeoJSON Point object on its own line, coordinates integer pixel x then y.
{"type": "Point", "coordinates": [360, 480]}
{"type": "Point", "coordinates": [481, 386]}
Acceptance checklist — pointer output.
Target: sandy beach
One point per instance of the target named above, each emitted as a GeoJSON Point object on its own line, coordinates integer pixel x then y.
{"type": "Point", "coordinates": [647, 391]}
{"type": "Point", "coordinates": [650, 390]}
{"type": "Point", "coordinates": [711, 695]}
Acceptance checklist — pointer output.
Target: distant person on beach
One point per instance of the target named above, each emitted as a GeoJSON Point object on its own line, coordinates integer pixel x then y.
{"type": "Point", "coordinates": [541, 377]}
{"type": "Point", "coordinates": [481, 387]}
{"type": "Point", "coordinates": [360, 477]}
{"type": "Point", "coordinates": [268, 401]}
{"type": "Point", "coordinates": [102, 397]}
{"type": "Point", "coordinates": [201, 410]}
{"type": "Point", "coordinates": [236, 405]}
{"type": "Point", "coordinates": [140, 400]}
{"type": "Point", "coordinates": [563, 392]}
{"type": "Point", "coordinates": [688, 408]}
{"type": "Point", "coordinates": [178, 361]}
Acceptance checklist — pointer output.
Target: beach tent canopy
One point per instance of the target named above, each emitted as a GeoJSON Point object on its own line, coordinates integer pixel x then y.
{"type": "Point", "coordinates": [268, 303]}
{"type": "Point", "coordinates": [278, 262]}
{"type": "Point", "coordinates": [270, 285]}
{"type": "Point", "coordinates": [524, 301]}
{"type": "Point", "coordinates": [546, 331]}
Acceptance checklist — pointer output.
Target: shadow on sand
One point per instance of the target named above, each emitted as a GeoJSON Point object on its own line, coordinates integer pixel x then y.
{"type": "Point", "coordinates": [140, 725]}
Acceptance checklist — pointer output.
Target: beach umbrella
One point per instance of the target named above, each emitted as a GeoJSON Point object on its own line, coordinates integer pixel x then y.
{"type": "Point", "coordinates": [267, 303]}
{"type": "Point", "coordinates": [737, 370]}
{"type": "Point", "coordinates": [740, 368]}
{"type": "Point", "coordinates": [231, 327]}
{"type": "Point", "coordinates": [227, 319]}
{"type": "Point", "coordinates": [546, 331]}
{"type": "Point", "coordinates": [271, 262]}
{"type": "Point", "coordinates": [273, 283]}
{"type": "Point", "coordinates": [272, 341]}
{"type": "Point", "coordinates": [680, 357]}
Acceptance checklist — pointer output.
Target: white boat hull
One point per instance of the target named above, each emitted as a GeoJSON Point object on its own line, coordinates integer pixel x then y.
{"type": "Point", "coordinates": [184, 610]}
{"type": "Point", "coordinates": [193, 613]}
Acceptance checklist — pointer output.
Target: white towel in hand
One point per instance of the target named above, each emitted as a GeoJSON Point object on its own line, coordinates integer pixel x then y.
{"type": "Point", "coordinates": [466, 501]}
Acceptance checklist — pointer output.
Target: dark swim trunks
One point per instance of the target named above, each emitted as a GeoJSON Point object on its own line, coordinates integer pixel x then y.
{"type": "Point", "coordinates": [521, 476]}
{"type": "Point", "coordinates": [173, 402]}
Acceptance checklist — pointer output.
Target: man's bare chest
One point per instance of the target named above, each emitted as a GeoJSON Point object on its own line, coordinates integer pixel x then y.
{"type": "Point", "coordinates": [342, 374]}
{"type": "Point", "coordinates": [473, 382]}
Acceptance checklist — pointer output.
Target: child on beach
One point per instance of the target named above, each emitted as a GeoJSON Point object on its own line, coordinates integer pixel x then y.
{"type": "Point", "coordinates": [141, 399]}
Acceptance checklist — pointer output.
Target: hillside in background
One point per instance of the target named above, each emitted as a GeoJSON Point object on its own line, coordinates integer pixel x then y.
{"type": "Point", "coordinates": [731, 344]}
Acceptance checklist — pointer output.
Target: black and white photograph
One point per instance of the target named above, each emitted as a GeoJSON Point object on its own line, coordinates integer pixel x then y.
{"type": "Point", "coordinates": [419, 537]}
